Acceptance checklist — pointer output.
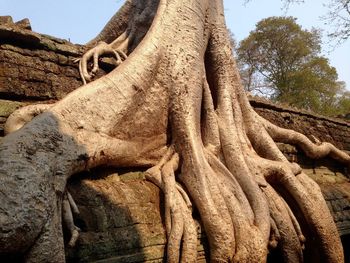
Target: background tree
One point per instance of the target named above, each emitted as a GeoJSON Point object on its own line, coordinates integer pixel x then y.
{"type": "Point", "coordinates": [287, 59]}
{"type": "Point", "coordinates": [251, 81]}
{"type": "Point", "coordinates": [343, 103]}
{"type": "Point", "coordinates": [315, 87]}
{"type": "Point", "coordinates": [338, 17]}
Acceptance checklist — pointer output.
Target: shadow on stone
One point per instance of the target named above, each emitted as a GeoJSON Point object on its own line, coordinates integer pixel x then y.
{"type": "Point", "coordinates": [119, 216]}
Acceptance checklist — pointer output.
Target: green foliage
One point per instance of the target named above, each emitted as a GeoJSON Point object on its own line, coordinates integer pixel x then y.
{"type": "Point", "coordinates": [343, 104]}
{"type": "Point", "coordinates": [283, 60]}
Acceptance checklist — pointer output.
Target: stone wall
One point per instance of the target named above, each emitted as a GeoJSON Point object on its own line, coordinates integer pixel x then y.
{"type": "Point", "coordinates": [121, 218]}
{"type": "Point", "coordinates": [121, 213]}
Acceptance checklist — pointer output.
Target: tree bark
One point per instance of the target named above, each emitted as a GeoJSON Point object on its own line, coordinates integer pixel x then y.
{"type": "Point", "coordinates": [174, 105]}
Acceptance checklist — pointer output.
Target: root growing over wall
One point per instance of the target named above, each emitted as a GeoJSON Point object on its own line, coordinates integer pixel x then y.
{"type": "Point", "coordinates": [175, 105]}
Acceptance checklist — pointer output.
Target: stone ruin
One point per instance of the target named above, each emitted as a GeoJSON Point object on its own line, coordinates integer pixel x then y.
{"type": "Point", "coordinates": [120, 212]}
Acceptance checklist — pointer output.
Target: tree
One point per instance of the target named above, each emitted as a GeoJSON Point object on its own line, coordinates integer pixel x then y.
{"type": "Point", "coordinates": [175, 106]}
{"type": "Point", "coordinates": [314, 87]}
{"type": "Point", "coordinates": [251, 81]}
{"type": "Point", "coordinates": [288, 60]}
{"type": "Point", "coordinates": [343, 103]}
{"type": "Point", "coordinates": [338, 17]}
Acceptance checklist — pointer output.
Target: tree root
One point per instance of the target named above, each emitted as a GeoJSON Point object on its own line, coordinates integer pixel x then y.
{"type": "Point", "coordinates": [180, 227]}
{"type": "Point", "coordinates": [115, 26]}
{"type": "Point", "coordinates": [17, 121]}
{"type": "Point", "coordinates": [313, 150]}
{"type": "Point", "coordinates": [24, 115]}
{"type": "Point", "coordinates": [274, 235]}
{"type": "Point", "coordinates": [125, 43]}
{"type": "Point", "coordinates": [284, 235]}
{"type": "Point", "coordinates": [68, 209]}
{"type": "Point", "coordinates": [223, 157]}
{"type": "Point", "coordinates": [102, 49]}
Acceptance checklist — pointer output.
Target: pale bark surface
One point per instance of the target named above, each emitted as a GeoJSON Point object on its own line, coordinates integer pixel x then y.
{"type": "Point", "coordinates": [174, 104]}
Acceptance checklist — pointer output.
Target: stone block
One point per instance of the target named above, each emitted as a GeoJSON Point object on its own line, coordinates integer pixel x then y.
{"type": "Point", "coordinates": [6, 20]}
{"type": "Point", "coordinates": [7, 107]}
{"type": "Point", "coordinates": [24, 23]}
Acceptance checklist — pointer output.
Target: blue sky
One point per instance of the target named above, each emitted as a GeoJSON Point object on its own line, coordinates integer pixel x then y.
{"type": "Point", "coordinates": [81, 20]}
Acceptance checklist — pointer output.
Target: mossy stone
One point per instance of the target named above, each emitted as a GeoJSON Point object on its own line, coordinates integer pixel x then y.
{"type": "Point", "coordinates": [7, 107]}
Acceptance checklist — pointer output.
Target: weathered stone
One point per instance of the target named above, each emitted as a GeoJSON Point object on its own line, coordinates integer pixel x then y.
{"type": "Point", "coordinates": [121, 219]}
{"type": "Point", "coordinates": [287, 148]}
{"type": "Point", "coordinates": [309, 172]}
{"type": "Point", "coordinates": [132, 176]}
{"type": "Point", "coordinates": [347, 213]}
{"type": "Point", "coordinates": [30, 75]}
{"type": "Point", "coordinates": [24, 23]}
{"type": "Point", "coordinates": [6, 20]}
{"type": "Point", "coordinates": [9, 106]}
{"type": "Point", "coordinates": [16, 33]}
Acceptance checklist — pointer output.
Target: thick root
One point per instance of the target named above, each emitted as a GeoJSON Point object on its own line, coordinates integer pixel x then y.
{"type": "Point", "coordinates": [296, 225]}
{"type": "Point", "coordinates": [233, 141]}
{"type": "Point", "coordinates": [313, 150]}
{"type": "Point", "coordinates": [24, 115]}
{"type": "Point", "coordinates": [281, 172]}
{"type": "Point", "coordinates": [274, 235]}
{"type": "Point", "coordinates": [180, 226]}
{"type": "Point", "coordinates": [214, 212]}
{"type": "Point", "coordinates": [285, 235]}
{"type": "Point", "coordinates": [309, 199]}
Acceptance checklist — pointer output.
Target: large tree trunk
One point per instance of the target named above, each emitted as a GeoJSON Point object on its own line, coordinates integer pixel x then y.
{"type": "Point", "coordinates": [176, 106]}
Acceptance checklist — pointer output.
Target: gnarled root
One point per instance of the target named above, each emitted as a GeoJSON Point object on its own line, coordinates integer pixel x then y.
{"type": "Point", "coordinates": [69, 208]}
{"type": "Point", "coordinates": [284, 235]}
{"type": "Point", "coordinates": [180, 226]}
{"type": "Point", "coordinates": [315, 150]}
{"type": "Point", "coordinates": [251, 245]}
{"type": "Point", "coordinates": [24, 115]}
{"type": "Point", "coordinates": [122, 45]}
{"type": "Point", "coordinates": [102, 49]}
{"type": "Point", "coordinates": [296, 191]}
{"type": "Point", "coordinates": [303, 194]}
